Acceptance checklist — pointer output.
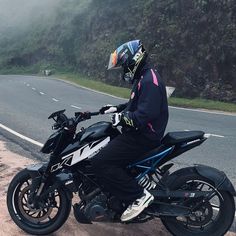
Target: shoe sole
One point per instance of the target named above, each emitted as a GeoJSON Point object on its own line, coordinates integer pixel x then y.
{"type": "Point", "coordinates": [145, 205]}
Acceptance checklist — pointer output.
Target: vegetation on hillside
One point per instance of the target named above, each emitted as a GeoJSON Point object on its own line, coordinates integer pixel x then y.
{"type": "Point", "coordinates": [191, 42]}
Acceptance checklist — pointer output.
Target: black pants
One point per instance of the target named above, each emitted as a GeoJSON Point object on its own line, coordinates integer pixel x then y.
{"type": "Point", "coordinates": [109, 165]}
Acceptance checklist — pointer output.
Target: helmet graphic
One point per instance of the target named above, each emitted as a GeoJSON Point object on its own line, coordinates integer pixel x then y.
{"type": "Point", "coordinates": [128, 56]}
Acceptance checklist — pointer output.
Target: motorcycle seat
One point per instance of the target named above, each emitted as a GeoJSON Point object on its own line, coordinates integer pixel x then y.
{"type": "Point", "coordinates": [173, 138]}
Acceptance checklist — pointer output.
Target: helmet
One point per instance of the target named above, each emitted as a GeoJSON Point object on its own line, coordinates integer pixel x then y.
{"type": "Point", "coordinates": [128, 56]}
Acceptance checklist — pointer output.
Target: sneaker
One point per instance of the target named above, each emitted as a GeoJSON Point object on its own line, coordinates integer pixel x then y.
{"type": "Point", "coordinates": [137, 206]}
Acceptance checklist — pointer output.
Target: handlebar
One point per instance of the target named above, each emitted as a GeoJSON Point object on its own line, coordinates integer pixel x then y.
{"type": "Point", "coordinates": [95, 113]}
{"type": "Point", "coordinates": [80, 116]}
{"type": "Point", "coordinates": [62, 120]}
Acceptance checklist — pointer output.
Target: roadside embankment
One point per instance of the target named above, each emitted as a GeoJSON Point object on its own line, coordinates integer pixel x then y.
{"type": "Point", "coordinates": [11, 163]}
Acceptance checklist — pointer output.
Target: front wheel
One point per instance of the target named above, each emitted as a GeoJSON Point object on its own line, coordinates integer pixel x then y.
{"type": "Point", "coordinates": [214, 217]}
{"type": "Point", "coordinates": [45, 219]}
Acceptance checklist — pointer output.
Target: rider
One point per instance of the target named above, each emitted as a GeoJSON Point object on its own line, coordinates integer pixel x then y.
{"type": "Point", "coordinates": [143, 120]}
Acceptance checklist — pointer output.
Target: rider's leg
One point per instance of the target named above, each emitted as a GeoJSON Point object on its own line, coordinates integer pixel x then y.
{"type": "Point", "coordinates": [110, 167]}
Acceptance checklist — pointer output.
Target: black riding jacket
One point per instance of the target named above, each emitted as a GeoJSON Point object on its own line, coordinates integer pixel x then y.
{"type": "Point", "coordinates": [148, 107]}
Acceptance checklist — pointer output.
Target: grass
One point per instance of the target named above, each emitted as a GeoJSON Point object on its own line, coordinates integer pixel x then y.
{"type": "Point", "coordinates": [125, 93]}
{"type": "Point", "coordinates": [203, 104]}
{"type": "Point", "coordinates": [96, 85]}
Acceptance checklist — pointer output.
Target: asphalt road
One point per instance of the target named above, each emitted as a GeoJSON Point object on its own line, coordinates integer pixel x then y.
{"type": "Point", "coordinates": [27, 101]}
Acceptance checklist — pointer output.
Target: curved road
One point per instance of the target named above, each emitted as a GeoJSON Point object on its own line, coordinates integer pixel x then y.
{"type": "Point", "coordinates": [27, 101]}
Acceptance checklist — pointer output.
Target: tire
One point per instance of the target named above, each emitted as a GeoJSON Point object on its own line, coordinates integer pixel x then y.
{"type": "Point", "coordinates": [20, 212]}
{"type": "Point", "coordinates": [217, 227]}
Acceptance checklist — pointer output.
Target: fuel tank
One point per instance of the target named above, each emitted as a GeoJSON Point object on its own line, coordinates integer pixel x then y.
{"type": "Point", "coordinates": [94, 132]}
{"type": "Point", "coordinates": [97, 131]}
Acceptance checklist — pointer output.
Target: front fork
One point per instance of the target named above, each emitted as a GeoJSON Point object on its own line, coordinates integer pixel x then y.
{"type": "Point", "coordinates": [41, 187]}
{"type": "Point", "coordinates": [39, 178]}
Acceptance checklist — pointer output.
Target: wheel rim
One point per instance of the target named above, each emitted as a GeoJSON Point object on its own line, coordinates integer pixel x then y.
{"type": "Point", "coordinates": [206, 216]}
{"type": "Point", "coordinates": [36, 217]}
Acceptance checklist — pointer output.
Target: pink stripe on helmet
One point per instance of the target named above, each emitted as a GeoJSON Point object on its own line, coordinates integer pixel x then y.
{"type": "Point", "coordinates": [154, 78]}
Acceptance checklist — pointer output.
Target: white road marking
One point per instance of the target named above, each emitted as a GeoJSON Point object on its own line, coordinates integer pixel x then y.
{"type": "Point", "coordinates": [20, 135]}
{"type": "Point", "coordinates": [75, 107]}
{"type": "Point", "coordinates": [41, 93]}
{"type": "Point", "coordinates": [55, 100]}
{"type": "Point", "coordinates": [214, 135]}
{"type": "Point", "coordinates": [205, 111]}
{"type": "Point", "coordinates": [34, 88]}
{"type": "Point", "coordinates": [27, 85]}
{"type": "Point", "coordinates": [217, 135]}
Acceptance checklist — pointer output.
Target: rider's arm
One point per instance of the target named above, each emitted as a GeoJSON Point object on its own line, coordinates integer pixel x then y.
{"type": "Point", "coordinates": [121, 107]}
{"type": "Point", "coordinates": [149, 104]}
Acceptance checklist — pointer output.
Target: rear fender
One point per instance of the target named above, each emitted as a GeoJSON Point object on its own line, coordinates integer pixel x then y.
{"type": "Point", "coordinates": [219, 178]}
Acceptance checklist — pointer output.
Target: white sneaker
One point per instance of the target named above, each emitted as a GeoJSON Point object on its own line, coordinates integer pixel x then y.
{"type": "Point", "coordinates": [137, 206]}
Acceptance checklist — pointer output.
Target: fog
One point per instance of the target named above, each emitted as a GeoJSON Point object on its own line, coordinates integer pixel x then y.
{"type": "Point", "coordinates": [18, 15]}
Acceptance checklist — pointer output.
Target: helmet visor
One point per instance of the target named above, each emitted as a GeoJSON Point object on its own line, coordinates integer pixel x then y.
{"type": "Point", "coordinates": [113, 61]}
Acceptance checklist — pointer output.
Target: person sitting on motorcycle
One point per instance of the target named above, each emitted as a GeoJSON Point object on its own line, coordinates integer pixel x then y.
{"type": "Point", "coordinates": [143, 120]}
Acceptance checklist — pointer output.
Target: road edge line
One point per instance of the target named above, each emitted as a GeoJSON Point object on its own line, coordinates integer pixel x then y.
{"type": "Point", "coordinates": [173, 107]}
{"type": "Point", "coordinates": [21, 136]}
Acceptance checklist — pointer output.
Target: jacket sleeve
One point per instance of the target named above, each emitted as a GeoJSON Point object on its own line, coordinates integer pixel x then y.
{"type": "Point", "coordinates": [149, 104]}
{"type": "Point", "coordinates": [121, 107]}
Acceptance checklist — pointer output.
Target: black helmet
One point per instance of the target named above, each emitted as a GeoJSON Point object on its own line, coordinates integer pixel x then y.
{"type": "Point", "coordinates": [129, 56]}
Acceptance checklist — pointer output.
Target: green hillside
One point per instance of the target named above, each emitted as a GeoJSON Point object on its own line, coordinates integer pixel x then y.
{"type": "Point", "coordinates": [191, 42]}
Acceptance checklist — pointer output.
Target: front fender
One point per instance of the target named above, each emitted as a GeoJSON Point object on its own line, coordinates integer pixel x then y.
{"type": "Point", "coordinates": [61, 180]}
{"type": "Point", "coordinates": [219, 178]}
{"type": "Point", "coordinates": [36, 170]}
{"type": "Point", "coordinates": [64, 181]}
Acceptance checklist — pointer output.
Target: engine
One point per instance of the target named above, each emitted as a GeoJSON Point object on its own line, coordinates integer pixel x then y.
{"type": "Point", "coordinates": [99, 209]}
{"type": "Point", "coordinates": [96, 209]}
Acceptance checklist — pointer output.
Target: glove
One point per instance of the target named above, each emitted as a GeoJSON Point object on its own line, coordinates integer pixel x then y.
{"type": "Point", "coordinates": [108, 109]}
{"type": "Point", "coordinates": [116, 118]}
{"type": "Point", "coordinates": [123, 119]}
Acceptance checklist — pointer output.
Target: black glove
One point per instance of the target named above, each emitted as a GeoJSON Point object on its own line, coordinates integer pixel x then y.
{"type": "Point", "coordinates": [108, 109]}
{"type": "Point", "coordinates": [123, 119]}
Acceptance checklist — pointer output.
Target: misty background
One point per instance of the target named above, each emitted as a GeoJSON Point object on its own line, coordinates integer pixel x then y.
{"type": "Point", "coordinates": [191, 42]}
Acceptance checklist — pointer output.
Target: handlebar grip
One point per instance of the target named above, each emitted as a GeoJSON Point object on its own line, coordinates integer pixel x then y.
{"type": "Point", "coordinates": [94, 113]}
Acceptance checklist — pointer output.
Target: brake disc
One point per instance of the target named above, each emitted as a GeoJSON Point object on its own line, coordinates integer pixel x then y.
{"type": "Point", "coordinates": [30, 212]}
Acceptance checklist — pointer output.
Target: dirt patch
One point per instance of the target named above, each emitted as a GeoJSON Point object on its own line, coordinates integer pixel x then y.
{"type": "Point", "coordinates": [11, 163]}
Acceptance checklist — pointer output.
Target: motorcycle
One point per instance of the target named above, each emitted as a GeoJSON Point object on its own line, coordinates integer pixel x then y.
{"type": "Point", "coordinates": [197, 200]}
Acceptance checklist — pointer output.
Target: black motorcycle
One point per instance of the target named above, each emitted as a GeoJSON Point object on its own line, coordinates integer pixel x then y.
{"type": "Point", "coordinates": [197, 200]}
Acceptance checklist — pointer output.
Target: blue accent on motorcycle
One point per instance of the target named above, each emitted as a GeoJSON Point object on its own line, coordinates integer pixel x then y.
{"type": "Point", "coordinates": [150, 166]}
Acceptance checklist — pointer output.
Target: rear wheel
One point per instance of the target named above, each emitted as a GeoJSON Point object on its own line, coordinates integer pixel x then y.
{"type": "Point", "coordinates": [48, 217]}
{"type": "Point", "coordinates": [214, 217]}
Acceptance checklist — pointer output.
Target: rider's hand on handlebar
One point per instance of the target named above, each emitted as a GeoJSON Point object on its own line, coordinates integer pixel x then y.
{"type": "Point", "coordinates": [108, 109]}
{"type": "Point", "coordinates": [116, 118]}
